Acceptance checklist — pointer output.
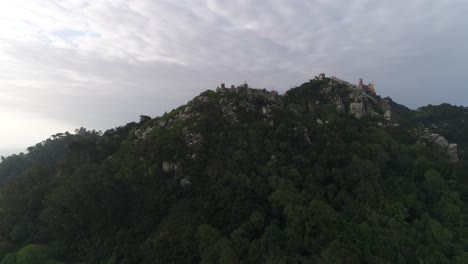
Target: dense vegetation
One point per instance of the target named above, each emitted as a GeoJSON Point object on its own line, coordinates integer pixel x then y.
{"type": "Point", "coordinates": [272, 185]}
{"type": "Point", "coordinates": [449, 120]}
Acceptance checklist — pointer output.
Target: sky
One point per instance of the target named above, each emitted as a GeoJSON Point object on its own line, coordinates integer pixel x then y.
{"type": "Point", "coordinates": [99, 64]}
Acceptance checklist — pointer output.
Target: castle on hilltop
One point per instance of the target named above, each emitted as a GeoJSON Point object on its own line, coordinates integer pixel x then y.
{"type": "Point", "coordinates": [244, 89]}
{"type": "Point", "coordinates": [369, 87]}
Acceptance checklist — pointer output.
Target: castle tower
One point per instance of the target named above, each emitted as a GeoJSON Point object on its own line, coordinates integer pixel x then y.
{"type": "Point", "coordinates": [360, 83]}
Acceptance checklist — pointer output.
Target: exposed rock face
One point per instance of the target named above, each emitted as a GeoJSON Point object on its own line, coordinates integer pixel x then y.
{"type": "Point", "coordinates": [166, 166]}
{"type": "Point", "coordinates": [358, 109]}
{"type": "Point", "coordinates": [203, 99]}
{"type": "Point", "coordinates": [440, 143]}
{"type": "Point", "coordinates": [340, 107]}
{"type": "Point", "coordinates": [146, 133]}
{"type": "Point", "coordinates": [169, 166]}
{"type": "Point", "coordinates": [228, 112]}
{"type": "Point", "coordinates": [192, 140]}
{"type": "Point", "coordinates": [185, 183]}
{"type": "Point", "coordinates": [307, 138]}
{"type": "Point", "coordinates": [452, 152]}
{"type": "Point", "coordinates": [162, 123]}
{"type": "Point", "coordinates": [140, 134]}
{"type": "Point", "coordinates": [388, 116]}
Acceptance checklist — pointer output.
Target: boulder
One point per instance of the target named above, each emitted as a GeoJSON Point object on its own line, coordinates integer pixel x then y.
{"type": "Point", "coordinates": [138, 133]}
{"type": "Point", "coordinates": [340, 107]}
{"type": "Point", "coordinates": [146, 133]}
{"type": "Point", "coordinates": [162, 123]}
{"type": "Point", "coordinates": [441, 143]}
{"type": "Point", "coordinates": [388, 115]}
{"type": "Point", "coordinates": [319, 122]}
{"type": "Point", "coordinates": [166, 166]}
{"type": "Point", "coordinates": [307, 138]}
{"type": "Point", "coordinates": [185, 183]}
{"type": "Point", "coordinates": [203, 99]}
{"type": "Point", "coordinates": [357, 109]}
{"type": "Point", "coordinates": [432, 137]}
{"type": "Point", "coordinates": [452, 152]}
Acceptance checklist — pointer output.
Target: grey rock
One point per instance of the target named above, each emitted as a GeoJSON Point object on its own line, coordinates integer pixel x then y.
{"type": "Point", "coordinates": [203, 99]}
{"type": "Point", "coordinates": [138, 133]}
{"type": "Point", "coordinates": [357, 109]}
{"type": "Point", "coordinates": [388, 115]}
{"type": "Point", "coordinates": [421, 143]}
{"type": "Point", "coordinates": [307, 139]}
{"type": "Point", "coordinates": [185, 183]}
{"type": "Point", "coordinates": [162, 123]}
{"type": "Point", "coordinates": [166, 166]}
{"type": "Point", "coordinates": [452, 152]}
{"type": "Point", "coordinates": [442, 143]}
{"type": "Point", "coordinates": [319, 122]}
{"type": "Point", "coordinates": [228, 112]}
{"type": "Point", "coordinates": [146, 133]}
{"type": "Point", "coordinates": [340, 107]}
{"type": "Point", "coordinates": [432, 137]}
{"type": "Point", "coordinates": [183, 116]}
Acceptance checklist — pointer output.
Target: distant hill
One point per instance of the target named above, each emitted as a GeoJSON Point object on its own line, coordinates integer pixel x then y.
{"type": "Point", "coordinates": [8, 151]}
{"type": "Point", "coordinates": [328, 172]}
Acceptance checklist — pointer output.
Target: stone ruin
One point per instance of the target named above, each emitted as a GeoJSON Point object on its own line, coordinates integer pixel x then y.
{"type": "Point", "coordinates": [244, 89]}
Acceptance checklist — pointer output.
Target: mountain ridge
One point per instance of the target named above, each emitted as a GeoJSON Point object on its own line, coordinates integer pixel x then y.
{"type": "Point", "coordinates": [324, 173]}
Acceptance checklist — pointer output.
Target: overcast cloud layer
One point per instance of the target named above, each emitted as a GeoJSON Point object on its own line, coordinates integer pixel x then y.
{"type": "Point", "coordinates": [102, 63]}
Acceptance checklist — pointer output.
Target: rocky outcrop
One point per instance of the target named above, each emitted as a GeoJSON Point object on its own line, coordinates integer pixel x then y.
{"type": "Point", "coordinates": [362, 104]}
{"type": "Point", "coordinates": [228, 109]}
{"type": "Point", "coordinates": [440, 143]}
{"type": "Point", "coordinates": [143, 134]}
{"type": "Point", "coordinates": [192, 140]}
{"type": "Point", "coordinates": [168, 166]}
{"type": "Point", "coordinates": [452, 152]}
{"type": "Point", "coordinates": [185, 183]}
{"type": "Point", "coordinates": [202, 99]}
{"type": "Point", "coordinates": [388, 116]}
{"type": "Point", "coordinates": [340, 107]}
{"type": "Point", "coordinates": [357, 108]}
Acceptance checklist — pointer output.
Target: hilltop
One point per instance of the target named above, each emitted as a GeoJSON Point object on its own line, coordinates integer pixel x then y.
{"type": "Point", "coordinates": [328, 172]}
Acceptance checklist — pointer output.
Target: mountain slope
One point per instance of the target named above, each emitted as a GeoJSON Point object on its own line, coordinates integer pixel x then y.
{"type": "Point", "coordinates": [326, 173]}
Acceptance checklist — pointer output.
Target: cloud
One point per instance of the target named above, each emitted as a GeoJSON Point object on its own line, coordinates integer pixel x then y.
{"type": "Point", "coordinates": [102, 63]}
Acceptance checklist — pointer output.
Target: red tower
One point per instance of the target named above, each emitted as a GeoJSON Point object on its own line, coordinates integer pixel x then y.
{"type": "Point", "coordinates": [360, 84]}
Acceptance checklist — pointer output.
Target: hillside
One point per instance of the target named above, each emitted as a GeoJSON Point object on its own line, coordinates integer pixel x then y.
{"type": "Point", "coordinates": [326, 173]}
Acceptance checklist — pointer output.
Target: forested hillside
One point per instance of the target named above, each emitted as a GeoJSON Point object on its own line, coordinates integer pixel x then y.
{"type": "Point", "coordinates": [325, 173]}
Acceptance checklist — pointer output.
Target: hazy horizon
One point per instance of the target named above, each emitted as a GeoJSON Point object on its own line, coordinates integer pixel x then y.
{"type": "Point", "coordinates": [100, 64]}
{"type": "Point", "coordinates": [8, 151]}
